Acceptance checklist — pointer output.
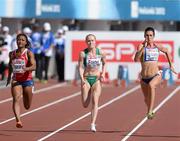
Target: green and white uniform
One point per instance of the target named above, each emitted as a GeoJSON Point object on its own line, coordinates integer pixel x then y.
{"type": "Point", "coordinates": [92, 62]}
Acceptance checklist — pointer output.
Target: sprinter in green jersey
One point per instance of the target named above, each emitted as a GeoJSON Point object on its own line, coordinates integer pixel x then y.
{"type": "Point", "coordinates": [92, 65]}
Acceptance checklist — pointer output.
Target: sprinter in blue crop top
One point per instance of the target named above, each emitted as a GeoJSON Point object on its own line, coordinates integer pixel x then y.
{"type": "Point", "coordinates": [147, 53]}
{"type": "Point", "coordinates": [92, 65]}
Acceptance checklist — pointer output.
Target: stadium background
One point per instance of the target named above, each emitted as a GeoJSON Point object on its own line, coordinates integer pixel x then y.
{"type": "Point", "coordinates": [107, 18]}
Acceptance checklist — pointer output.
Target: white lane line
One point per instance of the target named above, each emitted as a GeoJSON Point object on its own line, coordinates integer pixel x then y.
{"type": "Point", "coordinates": [3, 87]}
{"type": "Point", "coordinates": [43, 107]}
{"type": "Point", "coordinates": [87, 114]}
{"type": "Point", "coordinates": [5, 100]}
{"type": "Point", "coordinates": [155, 110]}
{"type": "Point", "coordinates": [38, 91]}
{"type": "Point", "coordinates": [3, 84]}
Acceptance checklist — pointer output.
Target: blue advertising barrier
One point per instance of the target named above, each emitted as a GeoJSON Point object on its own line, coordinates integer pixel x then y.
{"type": "Point", "coordinates": [123, 75]}
{"type": "Point", "coordinates": [167, 76]}
{"type": "Point", "coordinates": [81, 9]}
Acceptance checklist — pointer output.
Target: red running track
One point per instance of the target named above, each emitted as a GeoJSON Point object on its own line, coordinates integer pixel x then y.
{"type": "Point", "coordinates": [57, 115]}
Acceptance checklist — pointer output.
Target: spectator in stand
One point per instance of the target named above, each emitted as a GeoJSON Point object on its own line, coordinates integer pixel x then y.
{"type": "Point", "coordinates": [36, 48]}
{"type": "Point", "coordinates": [27, 31]}
{"type": "Point", "coordinates": [47, 49]}
{"type": "Point", "coordinates": [59, 54]}
{"type": "Point", "coordinates": [13, 42]}
{"type": "Point", "coordinates": [5, 49]}
{"type": "Point", "coordinates": [65, 28]}
{"type": "Point", "coordinates": [74, 25]}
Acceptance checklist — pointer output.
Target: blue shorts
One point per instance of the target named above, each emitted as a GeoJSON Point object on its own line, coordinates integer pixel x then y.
{"type": "Point", "coordinates": [24, 83]}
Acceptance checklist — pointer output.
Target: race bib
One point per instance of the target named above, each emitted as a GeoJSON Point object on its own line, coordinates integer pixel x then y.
{"type": "Point", "coordinates": [152, 55]}
{"type": "Point", "coordinates": [18, 66]}
{"type": "Point", "coordinates": [93, 62]}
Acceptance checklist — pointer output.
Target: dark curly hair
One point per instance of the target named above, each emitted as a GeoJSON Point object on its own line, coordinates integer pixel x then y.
{"type": "Point", "coordinates": [28, 45]}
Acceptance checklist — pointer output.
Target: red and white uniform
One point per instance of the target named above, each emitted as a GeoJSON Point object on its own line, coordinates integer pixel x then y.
{"type": "Point", "coordinates": [18, 63]}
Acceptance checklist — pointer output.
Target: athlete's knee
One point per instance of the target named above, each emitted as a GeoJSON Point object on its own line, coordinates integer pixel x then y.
{"type": "Point", "coordinates": [95, 103]}
{"type": "Point", "coordinates": [16, 98]}
{"type": "Point", "coordinates": [95, 106]}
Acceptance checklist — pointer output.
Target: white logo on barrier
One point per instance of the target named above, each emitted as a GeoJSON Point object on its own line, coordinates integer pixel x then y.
{"type": "Point", "coordinates": [117, 50]}
{"type": "Point", "coordinates": [108, 49]}
{"type": "Point", "coordinates": [137, 10]}
{"type": "Point", "coordinates": [49, 8]}
{"type": "Point", "coordinates": [134, 9]}
{"type": "Point", "coordinates": [125, 48]}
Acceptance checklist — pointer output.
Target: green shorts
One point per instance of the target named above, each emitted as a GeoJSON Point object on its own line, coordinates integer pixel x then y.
{"type": "Point", "coordinates": [91, 80]}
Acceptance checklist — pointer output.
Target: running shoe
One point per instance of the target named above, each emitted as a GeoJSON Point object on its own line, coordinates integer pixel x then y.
{"type": "Point", "coordinates": [150, 115]}
{"type": "Point", "coordinates": [19, 124]}
{"type": "Point", "coordinates": [93, 127]}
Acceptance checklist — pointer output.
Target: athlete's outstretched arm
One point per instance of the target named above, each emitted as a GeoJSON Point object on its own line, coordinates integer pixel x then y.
{"type": "Point", "coordinates": [32, 62]}
{"type": "Point", "coordinates": [139, 53]}
{"type": "Point", "coordinates": [103, 65]}
{"type": "Point", "coordinates": [9, 69]}
{"type": "Point", "coordinates": [81, 66]}
{"type": "Point", "coordinates": [169, 57]}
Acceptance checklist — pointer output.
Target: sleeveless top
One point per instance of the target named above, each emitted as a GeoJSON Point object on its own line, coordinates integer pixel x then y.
{"type": "Point", "coordinates": [92, 61]}
{"type": "Point", "coordinates": [18, 63]}
{"type": "Point", "coordinates": [151, 54]}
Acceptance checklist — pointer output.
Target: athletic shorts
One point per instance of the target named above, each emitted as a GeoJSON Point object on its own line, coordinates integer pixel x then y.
{"type": "Point", "coordinates": [24, 83]}
{"type": "Point", "coordinates": [91, 79]}
{"type": "Point", "coordinates": [147, 80]}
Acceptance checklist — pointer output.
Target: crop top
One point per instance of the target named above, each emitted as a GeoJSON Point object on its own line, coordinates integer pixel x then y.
{"type": "Point", "coordinates": [92, 61]}
{"type": "Point", "coordinates": [151, 54]}
{"type": "Point", "coordinates": [18, 64]}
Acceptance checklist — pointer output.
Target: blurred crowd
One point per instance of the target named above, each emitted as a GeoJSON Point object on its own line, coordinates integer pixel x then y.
{"type": "Point", "coordinates": [44, 44]}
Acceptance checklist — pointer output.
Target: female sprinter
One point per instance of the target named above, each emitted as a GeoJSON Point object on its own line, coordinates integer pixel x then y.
{"type": "Point", "coordinates": [90, 60]}
{"type": "Point", "coordinates": [148, 53]}
{"type": "Point", "coordinates": [21, 64]}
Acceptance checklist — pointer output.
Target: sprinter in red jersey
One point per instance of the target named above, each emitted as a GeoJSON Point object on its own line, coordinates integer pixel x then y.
{"type": "Point", "coordinates": [21, 65]}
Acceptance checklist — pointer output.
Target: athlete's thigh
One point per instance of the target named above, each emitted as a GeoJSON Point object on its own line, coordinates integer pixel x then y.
{"type": "Point", "coordinates": [144, 88]}
{"type": "Point", "coordinates": [155, 81]}
{"type": "Point", "coordinates": [27, 93]}
{"type": "Point", "coordinates": [85, 89]}
{"type": "Point", "coordinates": [16, 89]}
{"type": "Point", "coordinates": [28, 90]}
{"type": "Point", "coordinates": [96, 89]}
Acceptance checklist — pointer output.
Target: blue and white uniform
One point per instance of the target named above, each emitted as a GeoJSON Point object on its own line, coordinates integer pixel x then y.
{"type": "Point", "coordinates": [92, 62]}
{"type": "Point", "coordinates": [151, 54]}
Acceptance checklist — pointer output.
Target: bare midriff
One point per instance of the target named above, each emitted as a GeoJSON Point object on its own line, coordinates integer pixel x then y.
{"type": "Point", "coordinates": [92, 72]}
{"type": "Point", "coordinates": [149, 69]}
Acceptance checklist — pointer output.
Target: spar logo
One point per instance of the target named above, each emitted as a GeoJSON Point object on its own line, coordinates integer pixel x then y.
{"type": "Point", "coordinates": [119, 51]}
